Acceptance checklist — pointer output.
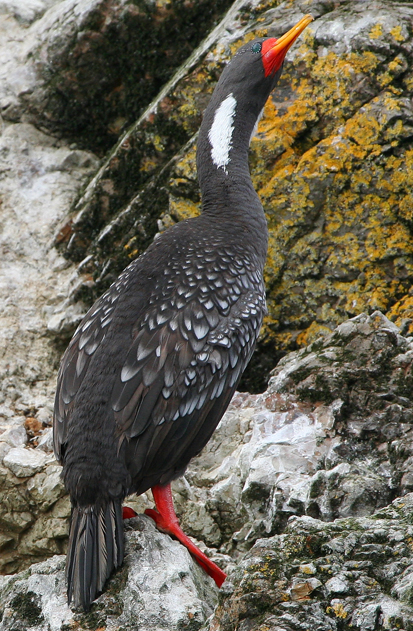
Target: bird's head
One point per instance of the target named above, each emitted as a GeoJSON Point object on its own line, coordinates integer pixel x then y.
{"type": "Point", "coordinates": [238, 99]}
{"type": "Point", "coordinates": [256, 66]}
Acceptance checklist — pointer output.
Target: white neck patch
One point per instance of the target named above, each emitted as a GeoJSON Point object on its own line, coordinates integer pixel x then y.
{"type": "Point", "coordinates": [220, 134]}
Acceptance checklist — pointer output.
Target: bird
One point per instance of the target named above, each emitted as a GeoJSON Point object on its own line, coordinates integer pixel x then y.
{"type": "Point", "coordinates": [153, 365]}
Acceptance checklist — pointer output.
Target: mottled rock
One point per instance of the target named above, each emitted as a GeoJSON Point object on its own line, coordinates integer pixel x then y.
{"type": "Point", "coordinates": [46, 487]}
{"type": "Point", "coordinates": [331, 437]}
{"type": "Point", "coordinates": [26, 10]}
{"type": "Point", "coordinates": [159, 587]}
{"type": "Point", "coordinates": [363, 576]}
{"type": "Point", "coordinates": [125, 200]}
{"type": "Point", "coordinates": [45, 442]}
{"type": "Point", "coordinates": [297, 449]}
{"type": "Point", "coordinates": [89, 67]}
{"type": "Point", "coordinates": [15, 436]}
{"type": "Point", "coordinates": [40, 177]}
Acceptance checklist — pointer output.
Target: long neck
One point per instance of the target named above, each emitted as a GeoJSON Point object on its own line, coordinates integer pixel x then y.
{"type": "Point", "coordinates": [222, 162]}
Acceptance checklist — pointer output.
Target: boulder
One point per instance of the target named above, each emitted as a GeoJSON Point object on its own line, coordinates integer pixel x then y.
{"type": "Point", "coordinates": [354, 573]}
{"type": "Point", "coordinates": [158, 587]}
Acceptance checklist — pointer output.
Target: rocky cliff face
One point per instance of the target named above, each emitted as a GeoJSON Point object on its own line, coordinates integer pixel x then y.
{"type": "Point", "coordinates": [293, 495]}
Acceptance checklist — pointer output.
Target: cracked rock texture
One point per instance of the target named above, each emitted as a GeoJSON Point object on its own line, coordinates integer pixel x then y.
{"type": "Point", "coordinates": [353, 574]}
{"type": "Point", "coordinates": [87, 68]}
{"type": "Point", "coordinates": [293, 495]}
{"type": "Point", "coordinates": [331, 437]}
{"type": "Point", "coordinates": [285, 497]}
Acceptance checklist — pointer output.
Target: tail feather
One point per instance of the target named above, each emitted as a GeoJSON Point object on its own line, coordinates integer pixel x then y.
{"type": "Point", "coordinates": [96, 548]}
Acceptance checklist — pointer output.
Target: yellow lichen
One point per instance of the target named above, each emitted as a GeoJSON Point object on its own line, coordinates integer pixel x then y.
{"type": "Point", "coordinates": [148, 164]}
{"type": "Point", "coordinates": [336, 193]}
{"type": "Point", "coordinates": [338, 610]}
{"type": "Point", "coordinates": [376, 31]}
{"type": "Point", "coordinates": [402, 311]}
{"type": "Point", "coordinates": [158, 143]}
{"type": "Point", "coordinates": [313, 332]}
{"type": "Point", "coordinates": [183, 209]}
{"type": "Point", "coordinates": [396, 32]}
{"type": "Point", "coordinates": [131, 248]}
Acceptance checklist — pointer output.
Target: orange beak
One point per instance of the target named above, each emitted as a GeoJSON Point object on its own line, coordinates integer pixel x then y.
{"type": "Point", "coordinates": [275, 50]}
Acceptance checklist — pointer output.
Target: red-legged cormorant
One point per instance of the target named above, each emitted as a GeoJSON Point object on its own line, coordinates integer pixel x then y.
{"type": "Point", "coordinates": [153, 365]}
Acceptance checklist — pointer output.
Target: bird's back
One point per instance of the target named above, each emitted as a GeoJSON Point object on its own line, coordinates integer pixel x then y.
{"type": "Point", "coordinates": [153, 365]}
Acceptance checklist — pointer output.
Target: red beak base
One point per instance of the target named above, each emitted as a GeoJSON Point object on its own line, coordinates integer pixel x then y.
{"type": "Point", "coordinates": [274, 50]}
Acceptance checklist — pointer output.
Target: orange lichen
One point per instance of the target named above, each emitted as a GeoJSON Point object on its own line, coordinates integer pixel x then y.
{"type": "Point", "coordinates": [183, 209]}
{"type": "Point", "coordinates": [313, 332]}
{"type": "Point", "coordinates": [402, 311]}
{"type": "Point", "coordinates": [360, 231]}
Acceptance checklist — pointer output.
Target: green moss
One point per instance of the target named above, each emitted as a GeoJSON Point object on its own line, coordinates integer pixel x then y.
{"type": "Point", "coordinates": [27, 609]}
{"type": "Point", "coordinates": [133, 50]}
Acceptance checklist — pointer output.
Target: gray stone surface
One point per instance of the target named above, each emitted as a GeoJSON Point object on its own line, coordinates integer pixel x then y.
{"type": "Point", "coordinates": [25, 462]}
{"type": "Point", "coordinates": [331, 437]}
{"type": "Point", "coordinates": [40, 176]}
{"type": "Point", "coordinates": [159, 587]}
{"type": "Point", "coordinates": [362, 578]}
{"type": "Point", "coordinates": [353, 573]}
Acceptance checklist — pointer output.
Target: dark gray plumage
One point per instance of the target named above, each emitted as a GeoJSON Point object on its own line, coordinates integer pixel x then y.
{"type": "Point", "coordinates": [153, 366]}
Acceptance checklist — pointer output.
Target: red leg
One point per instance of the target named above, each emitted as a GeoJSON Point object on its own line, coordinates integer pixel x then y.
{"type": "Point", "coordinates": [166, 520]}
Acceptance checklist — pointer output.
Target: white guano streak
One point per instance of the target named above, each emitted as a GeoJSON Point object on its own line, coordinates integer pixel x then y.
{"type": "Point", "coordinates": [220, 134]}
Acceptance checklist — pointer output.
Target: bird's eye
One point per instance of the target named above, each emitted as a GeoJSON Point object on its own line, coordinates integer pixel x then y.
{"type": "Point", "coordinates": [256, 48]}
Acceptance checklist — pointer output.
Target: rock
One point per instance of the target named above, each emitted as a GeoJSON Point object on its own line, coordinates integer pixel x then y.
{"type": "Point", "coordinates": [338, 585]}
{"type": "Point", "coordinates": [362, 580]}
{"type": "Point", "coordinates": [26, 10]}
{"type": "Point", "coordinates": [44, 415]}
{"type": "Point", "coordinates": [46, 487]}
{"type": "Point", "coordinates": [25, 462]}
{"type": "Point", "coordinates": [329, 438]}
{"type": "Point", "coordinates": [15, 436]}
{"type": "Point", "coordinates": [293, 450]}
{"type": "Point", "coordinates": [45, 442]}
{"type": "Point", "coordinates": [175, 596]}
{"type": "Point", "coordinates": [301, 589]}
{"type": "Point", "coordinates": [39, 178]}
{"type": "Point", "coordinates": [65, 83]}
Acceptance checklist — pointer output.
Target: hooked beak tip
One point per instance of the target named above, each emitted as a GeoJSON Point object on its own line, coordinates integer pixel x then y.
{"type": "Point", "coordinates": [284, 43]}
